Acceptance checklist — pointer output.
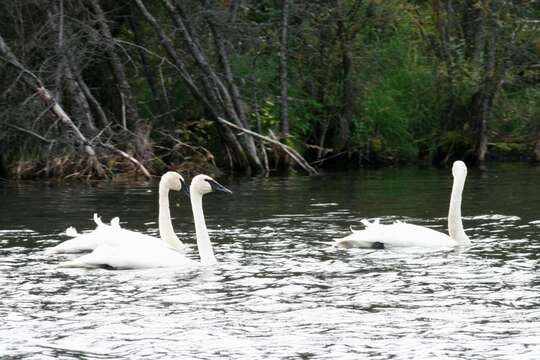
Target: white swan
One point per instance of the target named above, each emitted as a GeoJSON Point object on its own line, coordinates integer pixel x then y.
{"type": "Point", "coordinates": [398, 234]}
{"type": "Point", "coordinates": [115, 234]}
{"type": "Point", "coordinates": [143, 255]}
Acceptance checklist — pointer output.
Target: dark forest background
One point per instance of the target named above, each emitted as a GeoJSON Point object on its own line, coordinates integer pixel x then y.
{"type": "Point", "coordinates": [95, 88]}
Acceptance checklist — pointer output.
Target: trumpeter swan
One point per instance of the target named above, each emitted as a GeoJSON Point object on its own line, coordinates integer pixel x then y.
{"type": "Point", "coordinates": [400, 234]}
{"type": "Point", "coordinates": [139, 255]}
{"type": "Point", "coordinates": [114, 233]}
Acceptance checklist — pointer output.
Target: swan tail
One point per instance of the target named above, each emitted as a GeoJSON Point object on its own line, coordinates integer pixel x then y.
{"type": "Point", "coordinates": [349, 240]}
{"type": "Point", "coordinates": [71, 232]}
{"type": "Point", "coordinates": [372, 237]}
{"type": "Point", "coordinates": [51, 250]}
{"type": "Point", "coordinates": [97, 220]}
{"type": "Point", "coordinates": [368, 224]}
{"type": "Point", "coordinates": [115, 222]}
{"type": "Point", "coordinates": [349, 243]}
{"type": "Point", "coordinates": [343, 243]}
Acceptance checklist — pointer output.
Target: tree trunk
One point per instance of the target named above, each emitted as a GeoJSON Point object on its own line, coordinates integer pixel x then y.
{"type": "Point", "coordinates": [283, 80]}
{"type": "Point", "coordinates": [3, 164]}
{"type": "Point", "coordinates": [143, 147]}
{"type": "Point", "coordinates": [233, 10]}
{"type": "Point", "coordinates": [537, 150]}
{"type": "Point", "coordinates": [473, 29]}
{"type": "Point", "coordinates": [92, 100]}
{"type": "Point", "coordinates": [487, 93]}
{"type": "Point", "coordinates": [59, 47]}
{"type": "Point", "coordinates": [224, 60]}
{"type": "Point", "coordinates": [322, 83]}
{"type": "Point", "coordinates": [442, 48]}
{"type": "Point", "coordinates": [219, 94]}
{"type": "Point", "coordinates": [240, 157]}
{"type": "Point", "coordinates": [345, 120]}
{"type": "Point", "coordinates": [69, 74]}
{"type": "Point", "coordinates": [248, 143]}
{"type": "Point", "coordinates": [138, 39]}
{"type": "Point", "coordinates": [80, 107]}
{"type": "Point", "coordinates": [283, 52]}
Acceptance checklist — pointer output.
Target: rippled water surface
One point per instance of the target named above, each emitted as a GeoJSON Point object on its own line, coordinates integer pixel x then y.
{"type": "Point", "coordinates": [281, 290]}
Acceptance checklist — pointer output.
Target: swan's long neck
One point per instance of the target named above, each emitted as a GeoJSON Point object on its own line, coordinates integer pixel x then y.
{"type": "Point", "coordinates": [203, 240]}
{"type": "Point", "coordinates": [455, 225]}
{"type": "Point", "coordinates": [166, 231]}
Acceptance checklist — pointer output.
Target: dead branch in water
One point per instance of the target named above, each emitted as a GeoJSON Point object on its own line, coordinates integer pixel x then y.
{"type": "Point", "coordinates": [289, 150]}
{"type": "Point", "coordinates": [129, 157]}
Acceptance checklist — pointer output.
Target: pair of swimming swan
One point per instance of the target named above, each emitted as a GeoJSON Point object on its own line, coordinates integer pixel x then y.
{"type": "Point", "coordinates": [115, 247]}
{"type": "Point", "coordinates": [399, 234]}
{"type": "Point", "coordinates": [118, 248]}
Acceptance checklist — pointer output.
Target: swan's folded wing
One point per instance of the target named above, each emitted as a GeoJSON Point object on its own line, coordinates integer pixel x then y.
{"type": "Point", "coordinates": [84, 242]}
{"type": "Point", "coordinates": [401, 234]}
{"type": "Point", "coordinates": [81, 243]}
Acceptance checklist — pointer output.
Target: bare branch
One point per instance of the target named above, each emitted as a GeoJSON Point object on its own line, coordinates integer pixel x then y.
{"type": "Point", "coordinates": [289, 150]}
{"type": "Point", "coordinates": [28, 132]}
{"type": "Point", "coordinates": [129, 157]}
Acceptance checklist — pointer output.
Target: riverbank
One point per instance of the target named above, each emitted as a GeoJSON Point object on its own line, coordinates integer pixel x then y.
{"type": "Point", "coordinates": [118, 169]}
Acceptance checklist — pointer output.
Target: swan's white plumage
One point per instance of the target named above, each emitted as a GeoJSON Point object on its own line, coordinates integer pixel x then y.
{"type": "Point", "coordinates": [120, 254]}
{"type": "Point", "coordinates": [136, 256]}
{"type": "Point", "coordinates": [86, 241]}
{"type": "Point", "coordinates": [398, 234]}
{"type": "Point", "coordinates": [401, 234]}
{"type": "Point", "coordinates": [71, 232]}
{"type": "Point", "coordinates": [104, 233]}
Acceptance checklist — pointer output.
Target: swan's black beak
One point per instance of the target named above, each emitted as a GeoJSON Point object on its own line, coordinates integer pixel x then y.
{"type": "Point", "coordinates": [218, 187]}
{"type": "Point", "coordinates": [185, 188]}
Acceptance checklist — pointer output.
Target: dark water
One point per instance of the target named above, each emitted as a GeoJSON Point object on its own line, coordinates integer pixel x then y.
{"type": "Point", "coordinates": [281, 291]}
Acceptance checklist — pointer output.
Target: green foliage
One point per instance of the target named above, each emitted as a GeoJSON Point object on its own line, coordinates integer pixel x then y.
{"type": "Point", "coordinates": [267, 115]}
{"type": "Point", "coordinates": [517, 115]}
{"type": "Point", "coordinates": [456, 143]}
{"type": "Point", "coordinates": [509, 148]}
{"type": "Point", "coordinates": [398, 103]}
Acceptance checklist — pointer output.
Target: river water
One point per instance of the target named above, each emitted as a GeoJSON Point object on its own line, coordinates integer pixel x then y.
{"type": "Point", "coordinates": [281, 290]}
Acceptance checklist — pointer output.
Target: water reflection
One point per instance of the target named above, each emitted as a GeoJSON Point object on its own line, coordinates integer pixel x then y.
{"type": "Point", "coordinates": [281, 290]}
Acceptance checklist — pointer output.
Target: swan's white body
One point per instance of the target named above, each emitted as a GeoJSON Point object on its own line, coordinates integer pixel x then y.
{"type": "Point", "coordinates": [143, 255]}
{"type": "Point", "coordinates": [400, 234]}
{"type": "Point", "coordinates": [114, 235]}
